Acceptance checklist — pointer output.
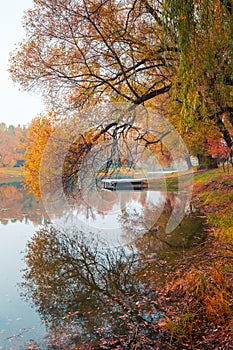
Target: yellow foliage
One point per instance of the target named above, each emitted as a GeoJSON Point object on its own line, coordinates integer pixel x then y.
{"type": "Point", "coordinates": [39, 132]}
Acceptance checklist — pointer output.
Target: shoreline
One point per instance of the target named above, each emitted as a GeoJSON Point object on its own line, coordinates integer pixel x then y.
{"type": "Point", "coordinates": [11, 175]}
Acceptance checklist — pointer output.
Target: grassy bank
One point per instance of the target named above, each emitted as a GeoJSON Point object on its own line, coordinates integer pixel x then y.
{"type": "Point", "coordinates": [9, 175]}
{"type": "Point", "coordinates": [214, 189]}
{"type": "Point", "coordinates": [11, 171]}
{"type": "Point", "coordinates": [200, 294]}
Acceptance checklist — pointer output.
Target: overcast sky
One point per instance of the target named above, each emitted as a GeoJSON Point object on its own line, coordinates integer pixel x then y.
{"type": "Point", "coordinates": [16, 107]}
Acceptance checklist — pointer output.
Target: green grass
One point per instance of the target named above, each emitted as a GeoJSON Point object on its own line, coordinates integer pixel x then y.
{"type": "Point", "coordinates": [216, 198]}
{"type": "Point", "coordinates": [211, 175]}
{"type": "Point", "coordinates": [11, 171]}
{"type": "Point", "coordinates": [221, 222]}
{"type": "Point", "coordinates": [11, 175]}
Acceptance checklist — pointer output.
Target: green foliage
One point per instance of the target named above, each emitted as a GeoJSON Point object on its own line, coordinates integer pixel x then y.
{"type": "Point", "coordinates": [202, 88]}
{"type": "Point", "coordinates": [182, 328]}
{"type": "Point", "coordinates": [222, 222]}
{"type": "Point", "coordinates": [215, 194]}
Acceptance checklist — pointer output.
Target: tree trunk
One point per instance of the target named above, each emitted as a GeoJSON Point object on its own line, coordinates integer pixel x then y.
{"type": "Point", "coordinates": [189, 163]}
{"type": "Point", "coordinates": [207, 162]}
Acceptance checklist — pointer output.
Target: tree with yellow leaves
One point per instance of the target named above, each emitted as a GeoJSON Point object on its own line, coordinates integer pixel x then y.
{"type": "Point", "coordinates": [38, 134]}
{"type": "Point", "coordinates": [80, 53]}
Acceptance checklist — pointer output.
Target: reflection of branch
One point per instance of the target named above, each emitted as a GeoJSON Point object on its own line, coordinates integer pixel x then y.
{"type": "Point", "coordinates": [161, 240]}
{"type": "Point", "coordinates": [74, 268]}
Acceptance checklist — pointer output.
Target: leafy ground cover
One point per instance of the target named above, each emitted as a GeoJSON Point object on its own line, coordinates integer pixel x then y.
{"type": "Point", "coordinates": [201, 292]}
{"type": "Point", "coordinates": [214, 189]}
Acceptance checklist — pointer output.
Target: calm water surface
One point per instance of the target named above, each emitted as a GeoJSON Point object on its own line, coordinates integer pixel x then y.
{"type": "Point", "coordinates": [18, 322]}
{"type": "Point", "coordinates": [20, 215]}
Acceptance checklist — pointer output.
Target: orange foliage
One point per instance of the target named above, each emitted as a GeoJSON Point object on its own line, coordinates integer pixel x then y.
{"type": "Point", "coordinates": [10, 144]}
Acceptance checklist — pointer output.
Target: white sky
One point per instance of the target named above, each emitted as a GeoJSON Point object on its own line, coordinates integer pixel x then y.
{"type": "Point", "coordinates": [17, 107]}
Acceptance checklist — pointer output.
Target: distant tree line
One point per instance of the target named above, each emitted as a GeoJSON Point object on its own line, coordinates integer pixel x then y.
{"type": "Point", "coordinates": [11, 145]}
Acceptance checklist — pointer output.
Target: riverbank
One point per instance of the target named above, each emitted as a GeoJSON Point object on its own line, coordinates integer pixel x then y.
{"type": "Point", "coordinates": [214, 190]}
{"type": "Point", "coordinates": [199, 311]}
{"type": "Point", "coordinates": [192, 304]}
{"type": "Point", "coordinates": [11, 175]}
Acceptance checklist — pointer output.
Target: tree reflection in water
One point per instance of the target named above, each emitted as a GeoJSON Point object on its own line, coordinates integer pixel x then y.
{"type": "Point", "coordinates": [87, 293]}
{"type": "Point", "coordinates": [155, 241]}
{"type": "Point", "coordinates": [17, 205]}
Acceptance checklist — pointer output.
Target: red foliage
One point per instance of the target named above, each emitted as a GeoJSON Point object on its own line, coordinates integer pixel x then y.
{"type": "Point", "coordinates": [217, 147]}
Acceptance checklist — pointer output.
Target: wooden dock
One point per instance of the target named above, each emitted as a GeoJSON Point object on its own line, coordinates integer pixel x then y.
{"type": "Point", "coordinates": [125, 184]}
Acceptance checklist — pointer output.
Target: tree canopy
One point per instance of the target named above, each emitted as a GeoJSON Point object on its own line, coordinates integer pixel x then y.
{"type": "Point", "coordinates": [81, 51]}
{"type": "Point", "coordinates": [133, 50]}
{"type": "Point", "coordinates": [174, 56]}
{"type": "Point", "coordinates": [203, 85]}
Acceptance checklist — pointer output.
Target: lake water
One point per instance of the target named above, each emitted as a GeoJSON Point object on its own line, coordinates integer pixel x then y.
{"type": "Point", "coordinates": [137, 219]}
{"type": "Point", "coordinates": [19, 217]}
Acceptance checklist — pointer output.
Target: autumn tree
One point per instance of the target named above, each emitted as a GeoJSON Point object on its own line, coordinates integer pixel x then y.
{"type": "Point", "coordinates": [79, 53]}
{"type": "Point", "coordinates": [74, 158]}
{"type": "Point", "coordinates": [87, 51]}
{"type": "Point", "coordinates": [202, 89]}
{"type": "Point", "coordinates": [37, 136]}
{"type": "Point", "coordinates": [135, 50]}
